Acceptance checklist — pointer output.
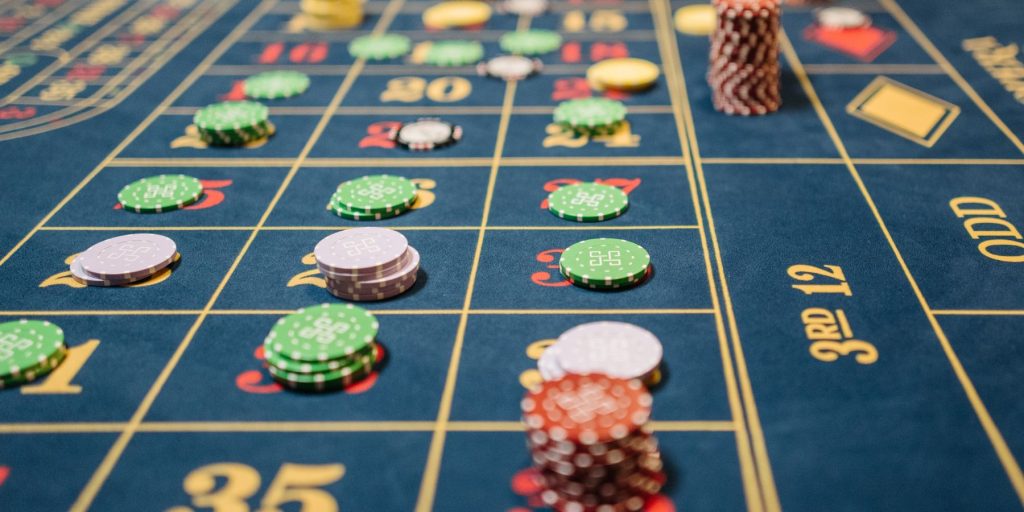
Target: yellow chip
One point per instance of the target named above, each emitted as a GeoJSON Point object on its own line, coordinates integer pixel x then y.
{"type": "Point", "coordinates": [696, 20]}
{"type": "Point", "coordinates": [623, 74]}
{"type": "Point", "coordinates": [456, 14]}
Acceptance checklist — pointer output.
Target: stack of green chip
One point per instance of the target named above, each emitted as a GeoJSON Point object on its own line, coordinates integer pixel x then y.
{"type": "Point", "coordinates": [605, 264]}
{"type": "Point", "coordinates": [160, 193]}
{"type": "Point", "coordinates": [376, 197]}
{"type": "Point", "coordinates": [273, 85]}
{"type": "Point", "coordinates": [29, 349]}
{"type": "Point", "coordinates": [593, 116]}
{"type": "Point", "coordinates": [233, 123]}
{"type": "Point", "coordinates": [454, 53]}
{"type": "Point", "coordinates": [380, 47]}
{"type": "Point", "coordinates": [532, 43]}
{"type": "Point", "coordinates": [322, 348]}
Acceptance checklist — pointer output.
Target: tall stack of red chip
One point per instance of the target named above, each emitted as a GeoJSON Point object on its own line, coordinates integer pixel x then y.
{"type": "Point", "coordinates": [744, 67]}
{"type": "Point", "coordinates": [589, 439]}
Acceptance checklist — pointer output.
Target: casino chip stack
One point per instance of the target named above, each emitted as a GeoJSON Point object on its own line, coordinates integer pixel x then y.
{"type": "Point", "coordinates": [426, 134]}
{"type": "Point", "coordinates": [744, 66]}
{"type": "Point", "coordinates": [29, 349]}
{"type": "Point", "coordinates": [590, 116]}
{"type": "Point", "coordinates": [274, 85]}
{"type": "Point", "coordinates": [616, 349]}
{"type": "Point", "coordinates": [322, 348]}
{"type": "Point", "coordinates": [124, 260]}
{"type": "Point", "coordinates": [325, 15]}
{"type": "Point", "coordinates": [589, 439]}
{"type": "Point", "coordinates": [605, 264]}
{"type": "Point", "coordinates": [367, 264]}
{"type": "Point", "coordinates": [233, 123]}
{"type": "Point", "coordinates": [374, 197]}
{"type": "Point", "coordinates": [623, 75]}
{"type": "Point", "coordinates": [456, 14]}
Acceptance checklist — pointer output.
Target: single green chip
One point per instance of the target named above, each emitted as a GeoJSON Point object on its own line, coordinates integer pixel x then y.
{"type": "Point", "coordinates": [455, 53]}
{"type": "Point", "coordinates": [272, 85]}
{"type": "Point", "coordinates": [322, 333]}
{"type": "Point", "coordinates": [352, 362]}
{"type": "Point", "coordinates": [590, 113]}
{"type": "Point", "coordinates": [531, 42]}
{"type": "Point", "coordinates": [26, 345]}
{"type": "Point", "coordinates": [33, 373]}
{"type": "Point", "coordinates": [161, 193]}
{"type": "Point", "coordinates": [378, 193]}
{"type": "Point", "coordinates": [380, 47]}
{"type": "Point", "coordinates": [588, 202]}
{"type": "Point", "coordinates": [230, 116]}
{"type": "Point", "coordinates": [605, 261]}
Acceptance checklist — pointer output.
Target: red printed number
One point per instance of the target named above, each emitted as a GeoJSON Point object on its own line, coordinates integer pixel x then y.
{"type": "Point", "coordinates": [211, 196]}
{"type": "Point", "coordinates": [302, 53]}
{"type": "Point", "coordinates": [12, 112]}
{"type": "Point", "coordinates": [378, 135]}
{"type": "Point", "coordinates": [545, 278]}
{"type": "Point", "coordinates": [628, 185]}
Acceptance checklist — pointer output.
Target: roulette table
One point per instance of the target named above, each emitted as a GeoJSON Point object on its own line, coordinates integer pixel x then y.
{"type": "Point", "coordinates": [837, 286]}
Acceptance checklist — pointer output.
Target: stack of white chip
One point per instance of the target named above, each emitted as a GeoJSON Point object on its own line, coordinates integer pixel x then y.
{"type": "Point", "coordinates": [615, 349]}
{"type": "Point", "coordinates": [124, 260]}
{"type": "Point", "coordinates": [367, 264]}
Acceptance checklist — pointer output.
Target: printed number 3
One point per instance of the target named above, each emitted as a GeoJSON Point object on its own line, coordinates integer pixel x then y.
{"type": "Point", "coordinates": [293, 483]}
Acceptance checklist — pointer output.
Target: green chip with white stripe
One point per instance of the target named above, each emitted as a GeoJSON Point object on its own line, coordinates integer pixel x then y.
{"type": "Point", "coordinates": [323, 333]}
{"type": "Point", "coordinates": [588, 202]}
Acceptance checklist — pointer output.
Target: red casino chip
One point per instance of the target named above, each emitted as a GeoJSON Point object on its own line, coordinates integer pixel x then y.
{"type": "Point", "coordinates": [587, 409]}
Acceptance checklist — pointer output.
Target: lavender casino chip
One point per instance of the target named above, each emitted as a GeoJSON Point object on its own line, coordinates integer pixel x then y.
{"type": "Point", "coordinates": [128, 257]}
{"type": "Point", "coordinates": [615, 349]}
{"type": "Point", "coordinates": [360, 250]}
{"type": "Point", "coordinates": [86, 278]}
{"type": "Point", "coordinates": [548, 364]}
{"type": "Point", "coordinates": [401, 276]}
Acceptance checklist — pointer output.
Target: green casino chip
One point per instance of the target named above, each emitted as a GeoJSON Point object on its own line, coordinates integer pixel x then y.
{"type": "Point", "coordinates": [590, 114]}
{"type": "Point", "coordinates": [379, 193]}
{"type": "Point", "coordinates": [346, 213]}
{"type": "Point", "coordinates": [531, 42]}
{"type": "Point", "coordinates": [161, 193]}
{"type": "Point", "coordinates": [454, 53]}
{"type": "Point", "coordinates": [322, 382]}
{"type": "Point", "coordinates": [28, 345]}
{"type": "Point", "coordinates": [360, 366]}
{"type": "Point", "coordinates": [322, 333]}
{"type": "Point", "coordinates": [36, 372]}
{"type": "Point", "coordinates": [352, 362]}
{"type": "Point", "coordinates": [604, 262]}
{"type": "Point", "coordinates": [233, 122]}
{"type": "Point", "coordinates": [588, 202]}
{"type": "Point", "coordinates": [272, 85]}
{"type": "Point", "coordinates": [382, 47]}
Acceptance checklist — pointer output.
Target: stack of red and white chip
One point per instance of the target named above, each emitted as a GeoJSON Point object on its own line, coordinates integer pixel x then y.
{"type": "Point", "coordinates": [367, 264]}
{"type": "Point", "coordinates": [589, 440]}
{"type": "Point", "coordinates": [744, 70]}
